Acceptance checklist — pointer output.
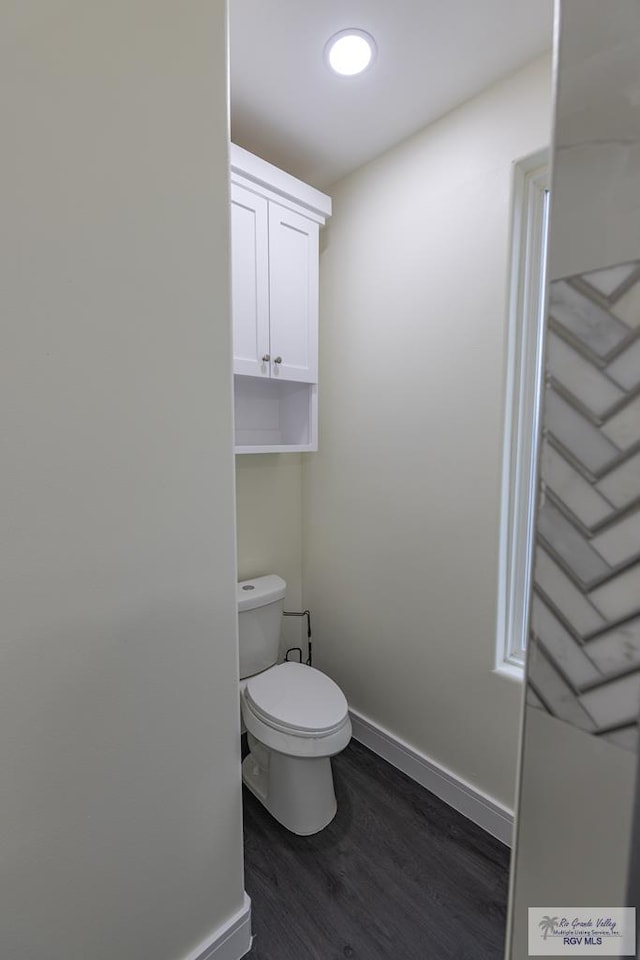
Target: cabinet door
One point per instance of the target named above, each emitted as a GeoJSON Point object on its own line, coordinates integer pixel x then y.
{"type": "Point", "coordinates": [293, 295]}
{"type": "Point", "coordinates": [249, 282]}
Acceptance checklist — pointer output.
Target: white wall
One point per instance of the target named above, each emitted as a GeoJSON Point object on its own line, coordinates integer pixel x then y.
{"type": "Point", "coordinates": [401, 504]}
{"type": "Point", "coordinates": [269, 505]}
{"type": "Point", "coordinates": [120, 832]}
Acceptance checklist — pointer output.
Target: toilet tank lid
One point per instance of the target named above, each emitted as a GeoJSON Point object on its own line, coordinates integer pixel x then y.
{"type": "Point", "coordinates": [260, 591]}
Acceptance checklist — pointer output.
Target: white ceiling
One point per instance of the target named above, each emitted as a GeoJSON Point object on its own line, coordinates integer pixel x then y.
{"type": "Point", "coordinates": [288, 108]}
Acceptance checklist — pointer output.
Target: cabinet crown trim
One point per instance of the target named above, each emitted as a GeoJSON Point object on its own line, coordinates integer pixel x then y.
{"type": "Point", "coordinates": [265, 175]}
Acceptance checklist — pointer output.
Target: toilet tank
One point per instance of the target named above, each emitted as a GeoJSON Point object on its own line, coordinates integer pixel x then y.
{"type": "Point", "coordinates": [260, 605]}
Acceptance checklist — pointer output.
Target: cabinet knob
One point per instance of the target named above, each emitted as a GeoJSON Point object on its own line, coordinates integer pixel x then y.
{"type": "Point", "coordinates": [278, 360]}
{"type": "Point", "coordinates": [266, 358]}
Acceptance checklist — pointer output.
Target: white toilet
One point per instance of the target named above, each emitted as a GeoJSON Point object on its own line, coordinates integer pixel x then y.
{"type": "Point", "coordinates": [295, 716]}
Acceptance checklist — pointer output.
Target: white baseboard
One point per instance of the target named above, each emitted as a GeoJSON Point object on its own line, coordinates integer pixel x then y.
{"type": "Point", "coordinates": [471, 802]}
{"type": "Point", "coordinates": [231, 941]}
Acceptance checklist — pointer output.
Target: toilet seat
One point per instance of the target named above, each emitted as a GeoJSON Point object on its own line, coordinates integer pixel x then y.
{"type": "Point", "coordinates": [296, 710]}
{"type": "Point", "coordinates": [296, 700]}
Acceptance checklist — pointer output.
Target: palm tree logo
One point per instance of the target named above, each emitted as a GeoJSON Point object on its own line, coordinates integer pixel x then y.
{"type": "Point", "coordinates": [548, 924]}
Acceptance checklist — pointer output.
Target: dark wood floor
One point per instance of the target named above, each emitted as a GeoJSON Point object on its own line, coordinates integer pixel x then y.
{"type": "Point", "coordinates": [398, 875]}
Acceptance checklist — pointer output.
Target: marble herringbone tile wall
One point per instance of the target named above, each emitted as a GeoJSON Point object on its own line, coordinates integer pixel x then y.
{"type": "Point", "coordinates": [584, 659]}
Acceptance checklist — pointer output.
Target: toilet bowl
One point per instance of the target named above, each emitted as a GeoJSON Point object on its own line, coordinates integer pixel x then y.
{"type": "Point", "coordinates": [296, 718]}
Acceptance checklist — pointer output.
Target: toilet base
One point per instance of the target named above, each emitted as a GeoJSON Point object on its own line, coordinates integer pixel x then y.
{"type": "Point", "coordinates": [297, 791]}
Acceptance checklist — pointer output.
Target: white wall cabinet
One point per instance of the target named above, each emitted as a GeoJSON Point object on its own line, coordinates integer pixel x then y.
{"type": "Point", "coordinates": [249, 281]}
{"type": "Point", "coordinates": [275, 223]}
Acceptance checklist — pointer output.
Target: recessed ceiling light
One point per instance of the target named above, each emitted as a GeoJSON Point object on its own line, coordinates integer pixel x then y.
{"type": "Point", "coordinates": [350, 52]}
